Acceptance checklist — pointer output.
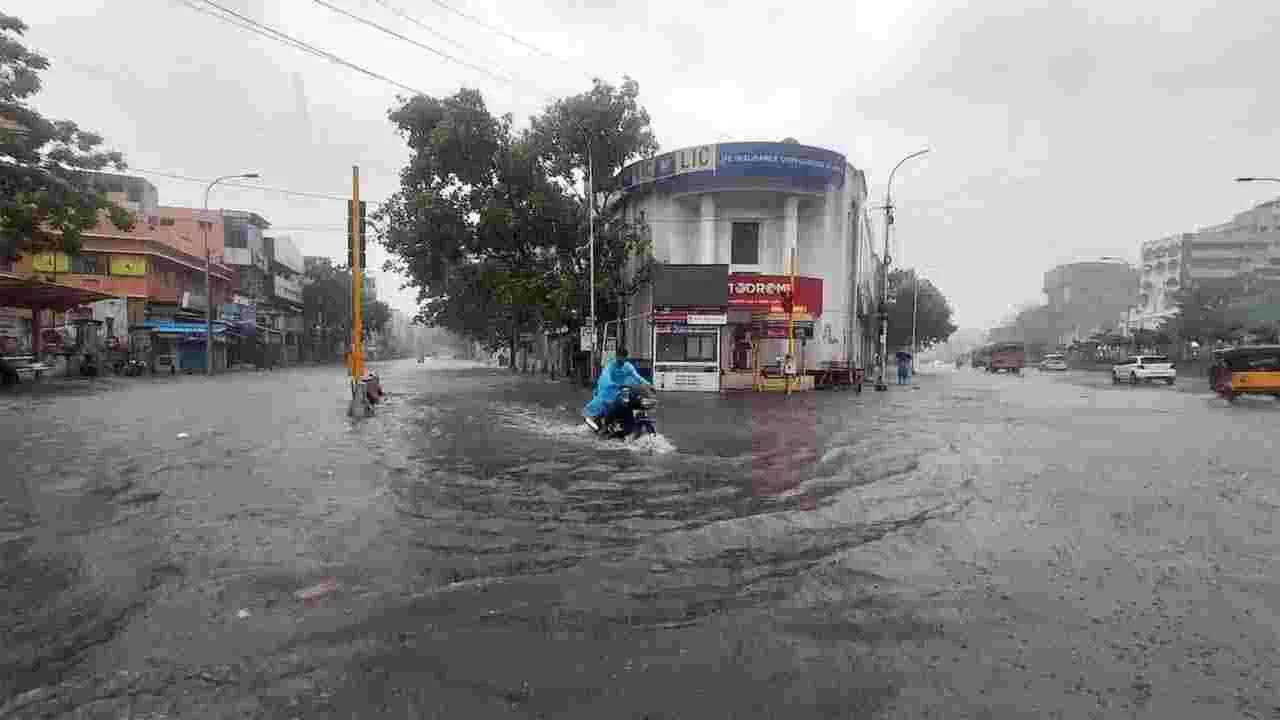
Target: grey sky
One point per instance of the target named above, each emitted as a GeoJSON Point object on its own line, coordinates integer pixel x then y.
{"type": "Point", "coordinates": [1059, 130]}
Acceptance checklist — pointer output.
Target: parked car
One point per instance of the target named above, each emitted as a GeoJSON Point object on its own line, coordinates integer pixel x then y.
{"type": "Point", "coordinates": [1144, 368]}
{"type": "Point", "coordinates": [1053, 363]}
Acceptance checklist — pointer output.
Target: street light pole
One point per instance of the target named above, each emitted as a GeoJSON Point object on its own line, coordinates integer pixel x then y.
{"type": "Point", "coordinates": [208, 285]}
{"type": "Point", "coordinates": [1258, 179]}
{"type": "Point", "coordinates": [884, 299]}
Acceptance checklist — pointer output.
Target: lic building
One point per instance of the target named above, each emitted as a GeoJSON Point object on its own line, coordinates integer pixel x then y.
{"type": "Point", "coordinates": [734, 228]}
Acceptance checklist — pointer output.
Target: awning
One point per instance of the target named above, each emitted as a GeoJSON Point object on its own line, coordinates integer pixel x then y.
{"type": "Point", "coordinates": [36, 292]}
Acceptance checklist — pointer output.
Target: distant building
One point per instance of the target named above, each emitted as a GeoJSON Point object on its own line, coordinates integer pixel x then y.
{"type": "Point", "coordinates": [283, 307]}
{"type": "Point", "coordinates": [246, 252]}
{"type": "Point", "coordinates": [1085, 298]}
{"type": "Point", "coordinates": [1163, 274]}
{"type": "Point", "coordinates": [1247, 246]}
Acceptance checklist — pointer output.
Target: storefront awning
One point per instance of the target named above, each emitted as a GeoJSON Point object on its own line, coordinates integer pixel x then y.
{"type": "Point", "coordinates": [37, 293]}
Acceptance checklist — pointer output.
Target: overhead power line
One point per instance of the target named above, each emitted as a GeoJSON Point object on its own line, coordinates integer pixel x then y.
{"type": "Point", "coordinates": [248, 23]}
{"type": "Point", "coordinates": [500, 31]}
{"type": "Point", "coordinates": [262, 31]}
{"type": "Point", "coordinates": [423, 26]}
{"type": "Point", "coordinates": [365, 21]}
{"type": "Point", "coordinates": [250, 186]}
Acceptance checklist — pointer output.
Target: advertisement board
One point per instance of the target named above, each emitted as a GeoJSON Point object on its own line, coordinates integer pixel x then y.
{"type": "Point", "coordinates": [51, 262]}
{"type": "Point", "coordinates": [129, 265]}
{"type": "Point", "coordinates": [764, 293]}
{"type": "Point", "coordinates": [783, 160]}
{"type": "Point", "coordinates": [706, 167]}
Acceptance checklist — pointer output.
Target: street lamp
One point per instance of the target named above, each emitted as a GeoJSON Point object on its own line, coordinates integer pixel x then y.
{"type": "Point", "coordinates": [208, 285]}
{"type": "Point", "coordinates": [884, 301]}
{"type": "Point", "coordinates": [1258, 179]}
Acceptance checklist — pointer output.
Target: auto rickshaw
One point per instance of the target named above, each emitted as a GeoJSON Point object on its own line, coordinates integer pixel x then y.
{"type": "Point", "coordinates": [1246, 370]}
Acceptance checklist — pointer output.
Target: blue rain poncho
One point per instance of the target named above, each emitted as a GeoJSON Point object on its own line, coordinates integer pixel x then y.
{"type": "Point", "coordinates": [615, 375]}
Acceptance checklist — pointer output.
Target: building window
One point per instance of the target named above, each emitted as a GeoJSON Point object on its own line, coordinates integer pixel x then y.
{"type": "Point", "coordinates": [89, 264]}
{"type": "Point", "coordinates": [745, 248]}
{"type": "Point", "coordinates": [686, 348]}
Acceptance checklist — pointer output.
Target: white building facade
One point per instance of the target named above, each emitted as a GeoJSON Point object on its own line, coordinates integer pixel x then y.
{"type": "Point", "coordinates": [747, 209]}
{"type": "Point", "coordinates": [1163, 274]}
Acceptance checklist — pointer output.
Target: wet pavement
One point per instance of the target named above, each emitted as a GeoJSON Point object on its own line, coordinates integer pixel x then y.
{"type": "Point", "coordinates": [973, 547]}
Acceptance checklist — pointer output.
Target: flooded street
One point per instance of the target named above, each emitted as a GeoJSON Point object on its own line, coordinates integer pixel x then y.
{"type": "Point", "coordinates": [974, 547]}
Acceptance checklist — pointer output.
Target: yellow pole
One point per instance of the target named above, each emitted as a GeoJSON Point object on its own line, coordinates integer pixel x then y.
{"type": "Point", "coordinates": [357, 282]}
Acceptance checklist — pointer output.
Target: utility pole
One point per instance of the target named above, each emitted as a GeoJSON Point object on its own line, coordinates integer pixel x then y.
{"type": "Point", "coordinates": [360, 404]}
{"type": "Point", "coordinates": [591, 251]}
{"type": "Point", "coordinates": [884, 300]}
{"type": "Point", "coordinates": [208, 285]}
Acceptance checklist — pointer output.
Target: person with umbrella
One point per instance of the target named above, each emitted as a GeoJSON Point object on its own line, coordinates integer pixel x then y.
{"type": "Point", "coordinates": [904, 368]}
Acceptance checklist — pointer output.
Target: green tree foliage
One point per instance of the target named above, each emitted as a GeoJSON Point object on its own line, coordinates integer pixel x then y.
{"type": "Point", "coordinates": [376, 316]}
{"type": "Point", "coordinates": [46, 199]}
{"type": "Point", "coordinates": [477, 224]}
{"type": "Point", "coordinates": [490, 224]}
{"type": "Point", "coordinates": [933, 314]}
{"type": "Point", "coordinates": [326, 307]}
{"type": "Point", "coordinates": [601, 131]}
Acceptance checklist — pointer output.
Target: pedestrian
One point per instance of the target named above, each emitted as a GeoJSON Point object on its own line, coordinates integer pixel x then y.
{"type": "Point", "coordinates": [904, 368]}
{"type": "Point", "coordinates": [789, 371]}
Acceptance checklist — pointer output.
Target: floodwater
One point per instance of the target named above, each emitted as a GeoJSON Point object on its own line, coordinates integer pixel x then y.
{"type": "Point", "coordinates": [973, 546]}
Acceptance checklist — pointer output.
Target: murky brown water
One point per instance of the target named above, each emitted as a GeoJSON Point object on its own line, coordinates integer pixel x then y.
{"type": "Point", "coordinates": [976, 547]}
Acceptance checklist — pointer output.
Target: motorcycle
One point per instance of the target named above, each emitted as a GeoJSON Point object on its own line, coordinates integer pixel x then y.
{"type": "Point", "coordinates": [631, 416]}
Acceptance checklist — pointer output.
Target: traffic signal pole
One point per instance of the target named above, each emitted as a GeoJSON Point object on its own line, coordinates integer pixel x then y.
{"type": "Point", "coordinates": [360, 404]}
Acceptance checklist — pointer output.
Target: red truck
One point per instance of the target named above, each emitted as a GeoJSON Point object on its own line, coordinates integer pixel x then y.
{"type": "Point", "coordinates": [1008, 357]}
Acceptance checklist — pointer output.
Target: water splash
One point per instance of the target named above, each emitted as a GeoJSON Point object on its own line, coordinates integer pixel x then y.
{"type": "Point", "coordinates": [539, 422]}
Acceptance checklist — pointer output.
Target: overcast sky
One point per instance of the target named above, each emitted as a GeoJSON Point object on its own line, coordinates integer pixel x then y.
{"type": "Point", "coordinates": [1059, 131]}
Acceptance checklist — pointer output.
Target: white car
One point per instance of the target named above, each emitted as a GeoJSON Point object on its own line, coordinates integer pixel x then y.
{"type": "Point", "coordinates": [1144, 368]}
{"type": "Point", "coordinates": [1053, 363]}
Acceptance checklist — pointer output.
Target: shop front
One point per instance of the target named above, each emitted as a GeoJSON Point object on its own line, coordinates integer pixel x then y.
{"type": "Point", "coordinates": [733, 339]}
{"type": "Point", "coordinates": [686, 324]}
{"type": "Point", "coordinates": [686, 346]}
{"type": "Point", "coordinates": [761, 324]}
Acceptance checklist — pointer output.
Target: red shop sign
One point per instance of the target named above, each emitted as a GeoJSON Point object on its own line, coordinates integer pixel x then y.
{"type": "Point", "coordinates": [764, 293]}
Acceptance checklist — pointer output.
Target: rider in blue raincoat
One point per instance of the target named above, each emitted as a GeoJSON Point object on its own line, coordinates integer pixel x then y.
{"type": "Point", "coordinates": [616, 374]}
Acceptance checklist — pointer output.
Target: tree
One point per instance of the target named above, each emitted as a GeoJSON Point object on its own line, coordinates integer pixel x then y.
{"type": "Point", "coordinates": [375, 317]}
{"type": "Point", "coordinates": [600, 131]}
{"type": "Point", "coordinates": [326, 305]}
{"type": "Point", "coordinates": [489, 223]}
{"type": "Point", "coordinates": [477, 222]}
{"type": "Point", "coordinates": [47, 199]}
{"type": "Point", "coordinates": [1203, 310]}
{"type": "Point", "coordinates": [933, 314]}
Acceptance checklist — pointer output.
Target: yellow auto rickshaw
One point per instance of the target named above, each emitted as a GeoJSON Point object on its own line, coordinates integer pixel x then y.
{"type": "Point", "coordinates": [1246, 370]}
